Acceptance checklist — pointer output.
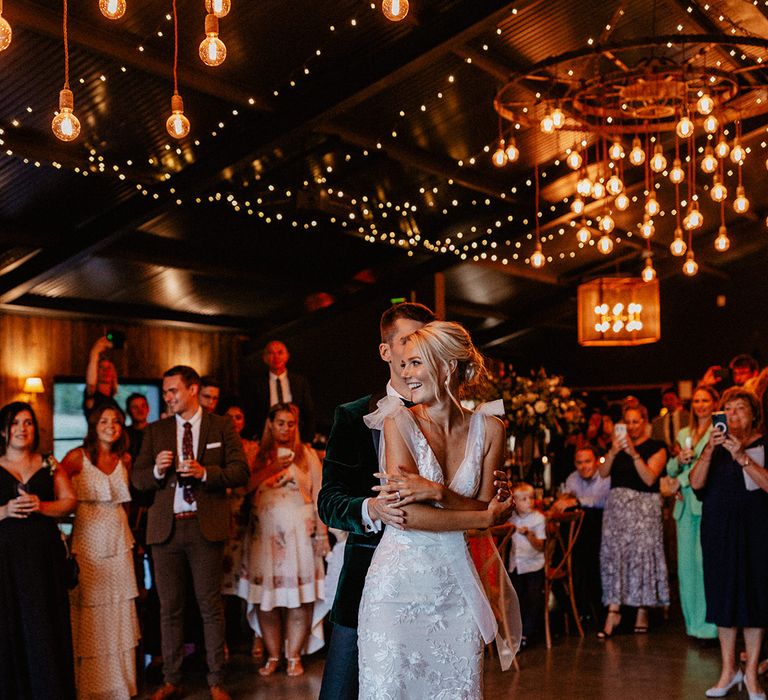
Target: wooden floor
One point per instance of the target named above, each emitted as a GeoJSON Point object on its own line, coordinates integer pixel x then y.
{"type": "Point", "coordinates": [662, 665]}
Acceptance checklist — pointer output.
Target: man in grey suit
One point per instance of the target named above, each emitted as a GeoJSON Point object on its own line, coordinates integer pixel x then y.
{"type": "Point", "coordinates": [189, 460]}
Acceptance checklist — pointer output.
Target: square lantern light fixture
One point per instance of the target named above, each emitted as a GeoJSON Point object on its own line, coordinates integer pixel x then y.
{"type": "Point", "coordinates": [619, 311]}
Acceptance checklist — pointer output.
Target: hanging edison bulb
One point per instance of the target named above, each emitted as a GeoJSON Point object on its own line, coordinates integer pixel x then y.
{"type": "Point", "coordinates": [652, 206]}
{"type": "Point", "coordinates": [621, 202]}
{"type": "Point", "coordinates": [512, 151]}
{"type": "Point", "coordinates": [6, 33]}
{"type": "Point", "coordinates": [719, 191]}
{"type": "Point", "coordinates": [65, 125]}
{"type": "Point", "coordinates": [705, 105]}
{"type": "Point", "coordinates": [738, 153]}
{"type": "Point", "coordinates": [547, 124]}
{"type": "Point", "coordinates": [577, 205]}
{"type": "Point", "coordinates": [212, 49]}
{"type": "Point", "coordinates": [690, 266]}
{"type": "Point", "coordinates": [598, 189]}
{"type": "Point", "coordinates": [684, 127]}
{"type": "Point", "coordinates": [678, 246]}
{"type": "Point", "coordinates": [722, 242]}
{"type": "Point", "coordinates": [741, 203]}
{"type": "Point", "coordinates": [112, 9]}
{"type": "Point", "coordinates": [605, 244]}
{"type": "Point", "coordinates": [538, 259]}
{"type": "Point", "coordinates": [677, 174]}
{"type": "Point", "coordinates": [574, 159]}
{"type": "Point", "coordinates": [722, 149]}
{"type": "Point", "coordinates": [648, 274]}
{"type": "Point", "coordinates": [709, 162]}
{"type": "Point", "coordinates": [658, 161]}
{"type": "Point", "coordinates": [583, 235]}
{"type": "Point", "coordinates": [221, 8]}
{"type": "Point", "coordinates": [584, 186]}
{"type": "Point", "coordinates": [499, 157]}
{"type": "Point", "coordinates": [693, 219]}
{"type": "Point", "coordinates": [711, 125]}
{"type": "Point", "coordinates": [637, 154]}
{"type": "Point", "coordinates": [647, 229]}
{"type": "Point", "coordinates": [614, 185]}
{"type": "Point", "coordinates": [616, 151]}
{"type": "Point", "coordinates": [607, 224]}
{"type": "Point", "coordinates": [395, 10]}
{"type": "Point", "coordinates": [177, 124]}
{"type": "Point", "coordinates": [558, 118]}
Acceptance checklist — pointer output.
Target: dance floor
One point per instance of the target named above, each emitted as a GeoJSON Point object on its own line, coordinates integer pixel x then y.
{"type": "Point", "coordinates": [662, 665]}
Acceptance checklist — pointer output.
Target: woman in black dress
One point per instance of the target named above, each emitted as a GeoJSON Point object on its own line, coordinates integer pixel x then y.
{"type": "Point", "coordinates": [730, 480]}
{"type": "Point", "coordinates": [35, 635]}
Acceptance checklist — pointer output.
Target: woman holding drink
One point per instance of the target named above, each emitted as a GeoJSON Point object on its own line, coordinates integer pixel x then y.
{"type": "Point", "coordinates": [690, 573]}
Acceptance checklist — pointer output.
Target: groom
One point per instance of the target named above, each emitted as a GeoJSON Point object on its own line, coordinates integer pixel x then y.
{"type": "Point", "coordinates": [345, 500]}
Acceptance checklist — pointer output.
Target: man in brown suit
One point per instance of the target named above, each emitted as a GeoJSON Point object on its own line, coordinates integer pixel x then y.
{"type": "Point", "coordinates": [189, 460]}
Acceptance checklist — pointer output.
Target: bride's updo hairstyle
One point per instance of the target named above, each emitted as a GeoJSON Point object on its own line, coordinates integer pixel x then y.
{"type": "Point", "coordinates": [447, 346]}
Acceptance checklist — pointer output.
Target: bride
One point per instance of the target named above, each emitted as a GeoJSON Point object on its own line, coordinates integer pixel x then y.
{"type": "Point", "coordinates": [424, 614]}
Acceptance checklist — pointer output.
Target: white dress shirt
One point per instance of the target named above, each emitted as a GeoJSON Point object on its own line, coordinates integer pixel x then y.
{"type": "Point", "coordinates": [523, 556]}
{"type": "Point", "coordinates": [284, 383]}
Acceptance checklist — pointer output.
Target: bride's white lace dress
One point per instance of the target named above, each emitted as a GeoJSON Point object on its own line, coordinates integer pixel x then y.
{"type": "Point", "coordinates": [424, 615]}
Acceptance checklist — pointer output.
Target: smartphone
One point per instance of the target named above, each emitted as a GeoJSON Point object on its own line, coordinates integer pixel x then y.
{"type": "Point", "coordinates": [117, 338]}
{"type": "Point", "coordinates": [620, 430]}
{"type": "Point", "coordinates": [720, 422]}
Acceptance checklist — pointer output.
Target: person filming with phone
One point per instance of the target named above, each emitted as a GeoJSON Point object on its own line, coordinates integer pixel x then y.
{"type": "Point", "coordinates": [101, 375]}
{"type": "Point", "coordinates": [632, 563]}
{"type": "Point", "coordinates": [731, 481]}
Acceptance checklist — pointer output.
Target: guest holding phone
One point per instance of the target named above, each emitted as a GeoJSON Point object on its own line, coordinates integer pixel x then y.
{"type": "Point", "coordinates": [730, 479]}
{"type": "Point", "coordinates": [691, 442]}
{"type": "Point", "coordinates": [632, 563]}
{"type": "Point", "coordinates": [35, 634]}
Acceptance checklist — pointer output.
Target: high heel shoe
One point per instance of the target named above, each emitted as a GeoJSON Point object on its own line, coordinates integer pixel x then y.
{"type": "Point", "coordinates": [270, 667]}
{"type": "Point", "coordinates": [606, 632]}
{"type": "Point", "coordinates": [760, 695]}
{"type": "Point", "coordinates": [294, 667]}
{"type": "Point", "coordinates": [715, 692]}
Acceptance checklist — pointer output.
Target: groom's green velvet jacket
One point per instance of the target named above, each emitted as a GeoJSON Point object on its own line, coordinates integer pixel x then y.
{"type": "Point", "coordinates": [348, 469]}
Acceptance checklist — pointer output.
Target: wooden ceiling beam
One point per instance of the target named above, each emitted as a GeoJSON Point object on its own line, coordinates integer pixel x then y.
{"type": "Point", "coordinates": [41, 20]}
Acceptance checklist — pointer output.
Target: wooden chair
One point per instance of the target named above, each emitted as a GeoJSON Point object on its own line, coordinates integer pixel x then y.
{"type": "Point", "coordinates": [562, 531]}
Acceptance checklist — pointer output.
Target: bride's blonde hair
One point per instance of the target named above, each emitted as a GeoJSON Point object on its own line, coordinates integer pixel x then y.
{"type": "Point", "coordinates": [440, 343]}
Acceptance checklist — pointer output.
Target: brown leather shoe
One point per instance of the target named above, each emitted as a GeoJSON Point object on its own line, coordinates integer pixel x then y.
{"type": "Point", "coordinates": [167, 692]}
{"type": "Point", "coordinates": [218, 693]}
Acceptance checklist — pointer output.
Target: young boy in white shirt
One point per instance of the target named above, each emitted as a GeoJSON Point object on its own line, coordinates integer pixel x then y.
{"type": "Point", "coordinates": [526, 560]}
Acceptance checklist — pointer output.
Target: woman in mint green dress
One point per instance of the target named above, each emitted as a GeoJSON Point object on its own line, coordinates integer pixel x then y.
{"type": "Point", "coordinates": [691, 441]}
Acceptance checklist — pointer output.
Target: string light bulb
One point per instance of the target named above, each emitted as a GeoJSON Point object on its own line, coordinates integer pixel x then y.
{"type": "Point", "coordinates": [499, 158]}
{"type": "Point", "coordinates": [395, 10]}
{"type": "Point", "coordinates": [112, 9]}
{"type": "Point", "coordinates": [647, 229]}
{"type": "Point", "coordinates": [722, 242]}
{"type": "Point", "coordinates": [213, 52]}
{"type": "Point", "coordinates": [722, 149]}
{"type": "Point", "coordinates": [648, 274]}
{"type": "Point", "coordinates": [709, 162]}
{"type": "Point", "coordinates": [65, 125]}
{"type": "Point", "coordinates": [598, 190]}
{"type": "Point", "coordinates": [678, 245]}
{"type": "Point", "coordinates": [614, 185]}
{"type": "Point", "coordinates": [584, 186]}
{"type": "Point", "coordinates": [547, 124]}
{"type": "Point", "coordinates": [677, 174]}
{"type": "Point", "coordinates": [513, 153]}
{"type": "Point", "coordinates": [652, 206]}
{"type": "Point", "coordinates": [583, 235]}
{"type": "Point", "coordinates": [694, 218]}
{"type": "Point", "coordinates": [719, 191]}
{"type": "Point", "coordinates": [177, 124]}
{"type": "Point", "coordinates": [637, 154]}
{"type": "Point", "coordinates": [658, 161]}
{"type": "Point", "coordinates": [616, 151]}
{"type": "Point", "coordinates": [684, 127]}
{"type": "Point", "coordinates": [711, 124]}
{"type": "Point", "coordinates": [741, 203]}
{"type": "Point", "coordinates": [705, 105]}
{"type": "Point", "coordinates": [577, 205]}
{"type": "Point", "coordinates": [607, 224]}
{"type": "Point", "coordinates": [558, 118]}
{"type": "Point", "coordinates": [605, 244]}
{"type": "Point", "coordinates": [621, 202]}
{"type": "Point", "coordinates": [574, 159]}
{"type": "Point", "coordinates": [690, 266]}
{"type": "Point", "coordinates": [537, 258]}
{"type": "Point", "coordinates": [6, 33]}
{"type": "Point", "coordinates": [220, 8]}
{"type": "Point", "coordinates": [738, 153]}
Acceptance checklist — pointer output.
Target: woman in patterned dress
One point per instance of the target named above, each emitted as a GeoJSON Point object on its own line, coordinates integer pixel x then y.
{"type": "Point", "coordinates": [283, 573]}
{"type": "Point", "coordinates": [104, 622]}
{"type": "Point", "coordinates": [35, 633]}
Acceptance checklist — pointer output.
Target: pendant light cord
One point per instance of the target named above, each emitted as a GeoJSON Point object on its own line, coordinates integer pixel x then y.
{"type": "Point", "coordinates": [66, 48]}
{"type": "Point", "coordinates": [175, 48]}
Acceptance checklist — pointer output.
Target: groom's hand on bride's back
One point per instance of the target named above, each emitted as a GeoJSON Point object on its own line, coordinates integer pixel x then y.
{"type": "Point", "coordinates": [502, 484]}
